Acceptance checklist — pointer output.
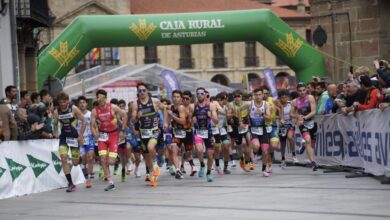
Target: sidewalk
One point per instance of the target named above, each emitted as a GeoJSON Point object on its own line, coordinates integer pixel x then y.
{"type": "Point", "coordinates": [293, 193]}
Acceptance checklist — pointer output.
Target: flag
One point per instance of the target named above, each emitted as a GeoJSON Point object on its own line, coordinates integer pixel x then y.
{"type": "Point", "coordinates": [270, 81]}
{"type": "Point", "coordinates": [116, 53]}
{"type": "Point", "coordinates": [95, 54]}
{"type": "Point", "coordinates": [169, 82]}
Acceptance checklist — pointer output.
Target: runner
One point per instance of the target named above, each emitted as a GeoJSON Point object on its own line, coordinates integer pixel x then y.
{"type": "Point", "coordinates": [287, 127]}
{"type": "Point", "coordinates": [204, 112]}
{"type": "Point", "coordinates": [107, 132]}
{"type": "Point", "coordinates": [87, 149]}
{"type": "Point", "coordinates": [68, 115]}
{"type": "Point", "coordinates": [146, 119]}
{"type": "Point", "coordinates": [303, 111]}
{"type": "Point", "coordinates": [134, 143]}
{"type": "Point", "coordinates": [123, 147]}
{"type": "Point", "coordinates": [259, 112]}
{"type": "Point", "coordinates": [222, 119]}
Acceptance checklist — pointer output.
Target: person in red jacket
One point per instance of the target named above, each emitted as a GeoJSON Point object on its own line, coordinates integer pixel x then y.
{"type": "Point", "coordinates": [371, 100]}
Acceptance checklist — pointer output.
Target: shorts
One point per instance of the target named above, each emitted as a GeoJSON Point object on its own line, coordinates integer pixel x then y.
{"type": "Point", "coordinates": [208, 142]}
{"type": "Point", "coordinates": [110, 146]}
{"type": "Point", "coordinates": [309, 131]}
{"type": "Point", "coordinates": [122, 149]}
{"type": "Point", "coordinates": [188, 141]}
{"type": "Point", "coordinates": [284, 130]}
{"type": "Point", "coordinates": [273, 135]}
{"type": "Point", "coordinates": [64, 148]}
{"type": "Point", "coordinates": [156, 137]}
{"type": "Point", "coordinates": [263, 139]}
{"type": "Point", "coordinates": [237, 136]}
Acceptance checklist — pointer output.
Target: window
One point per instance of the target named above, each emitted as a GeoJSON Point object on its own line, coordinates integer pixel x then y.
{"type": "Point", "coordinates": [151, 54]}
{"type": "Point", "coordinates": [219, 59]}
{"type": "Point", "coordinates": [186, 61]}
{"type": "Point", "coordinates": [250, 54]}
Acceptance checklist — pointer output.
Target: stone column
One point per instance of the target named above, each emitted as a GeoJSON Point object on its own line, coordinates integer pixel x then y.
{"type": "Point", "coordinates": [31, 70]}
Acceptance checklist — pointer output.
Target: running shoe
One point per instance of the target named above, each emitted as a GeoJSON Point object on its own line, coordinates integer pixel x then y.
{"type": "Point", "coordinates": [251, 166]}
{"type": "Point", "coordinates": [209, 178]}
{"type": "Point", "coordinates": [182, 170]}
{"type": "Point", "coordinates": [201, 171]}
{"type": "Point", "coordinates": [101, 173]}
{"type": "Point", "coordinates": [301, 149]}
{"type": "Point", "coordinates": [226, 171]}
{"type": "Point", "coordinates": [156, 173]}
{"type": "Point", "coordinates": [266, 174]}
{"type": "Point", "coordinates": [110, 186]}
{"type": "Point", "coordinates": [147, 177]}
{"type": "Point", "coordinates": [233, 163]}
{"type": "Point", "coordinates": [219, 171]}
{"type": "Point", "coordinates": [283, 164]}
{"type": "Point", "coordinates": [123, 179]}
{"type": "Point", "coordinates": [315, 166]}
{"type": "Point", "coordinates": [71, 188]}
{"type": "Point", "coordinates": [193, 171]}
{"type": "Point", "coordinates": [171, 171]}
{"type": "Point", "coordinates": [116, 171]}
{"type": "Point", "coordinates": [179, 175]}
{"type": "Point", "coordinates": [295, 159]}
{"type": "Point", "coordinates": [268, 169]}
{"type": "Point", "coordinates": [243, 166]}
{"type": "Point", "coordinates": [88, 184]}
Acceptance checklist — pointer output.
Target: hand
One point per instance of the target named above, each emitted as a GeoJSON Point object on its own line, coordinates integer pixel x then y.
{"type": "Point", "coordinates": [80, 139]}
{"type": "Point", "coordinates": [170, 113]}
{"type": "Point", "coordinates": [242, 126]}
{"type": "Point", "coordinates": [121, 135]}
{"type": "Point", "coordinates": [139, 114]}
{"type": "Point", "coordinates": [383, 105]}
{"type": "Point", "coordinates": [300, 120]}
{"type": "Point", "coordinates": [39, 126]}
{"type": "Point", "coordinates": [282, 122]}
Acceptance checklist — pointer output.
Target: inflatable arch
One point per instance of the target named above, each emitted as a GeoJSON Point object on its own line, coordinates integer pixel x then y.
{"type": "Point", "coordinates": [87, 32]}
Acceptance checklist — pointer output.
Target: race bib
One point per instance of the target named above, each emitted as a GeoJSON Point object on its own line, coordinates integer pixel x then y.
{"type": "Point", "coordinates": [283, 131]}
{"type": "Point", "coordinates": [103, 136]}
{"type": "Point", "coordinates": [146, 133]}
{"type": "Point", "coordinates": [269, 129]}
{"type": "Point", "coordinates": [309, 124]}
{"type": "Point", "coordinates": [121, 141]}
{"type": "Point", "coordinates": [244, 130]}
{"type": "Point", "coordinates": [257, 130]}
{"type": "Point", "coordinates": [86, 140]}
{"type": "Point", "coordinates": [229, 129]}
{"type": "Point", "coordinates": [215, 130]}
{"type": "Point", "coordinates": [202, 133]}
{"type": "Point", "coordinates": [177, 133]}
{"type": "Point", "coordinates": [223, 131]}
{"type": "Point", "coordinates": [72, 142]}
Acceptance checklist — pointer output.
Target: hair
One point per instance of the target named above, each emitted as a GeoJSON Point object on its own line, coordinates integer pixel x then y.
{"type": "Point", "coordinates": [365, 81]}
{"type": "Point", "coordinates": [34, 96]}
{"type": "Point", "coordinates": [165, 100]}
{"type": "Point", "coordinates": [95, 103]}
{"type": "Point", "coordinates": [114, 101]}
{"type": "Point", "coordinates": [9, 88]}
{"type": "Point", "coordinates": [300, 84]}
{"type": "Point", "coordinates": [187, 93]}
{"type": "Point", "coordinates": [121, 102]}
{"type": "Point", "coordinates": [177, 92]}
{"type": "Point", "coordinates": [201, 88]}
{"type": "Point", "coordinates": [62, 96]}
{"type": "Point", "coordinates": [81, 98]}
{"type": "Point", "coordinates": [141, 84]}
{"type": "Point", "coordinates": [283, 92]}
{"type": "Point", "coordinates": [237, 92]}
{"type": "Point", "coordinates": [43, 93]}
{"type": "Point", "coordinates": [258, 90]}
{"type": "Point", "coordinates": [101, 92]}
{"type": "Point", "coordinates": [265, 88]}
{"type": "Point", "coordinates": [23, 93]}
{"type": "Point", "coordinates": [222, 95]}
{"type": "Point", "coordinates": [294, 94]}
{"type": "Point", "coordinates": [361, 70]}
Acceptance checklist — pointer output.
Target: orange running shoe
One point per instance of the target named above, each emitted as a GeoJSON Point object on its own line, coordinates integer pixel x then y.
{"type": "Point", "coordinates": [88, 184]}
{"type": "Point", "coordinates": [243, 166]}
{"type": "Point", "coordinates": [153, 182]}
{"type": "Point", "coordinates": [251, 166]}
{"type": "Point", "coordinates": [156, 173]}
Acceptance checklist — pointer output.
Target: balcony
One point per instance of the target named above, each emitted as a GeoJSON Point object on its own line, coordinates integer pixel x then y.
{"type": "Point", "coordinates": [251, 61]}
{"type": "Point", "coordinates": [33, 12]}
{"type": "Point", "coordinates": [151, 60]}
{"type": "Point", "coordinates": [219, 62]}
{"type": "Point", "coordinates": [186, 63]}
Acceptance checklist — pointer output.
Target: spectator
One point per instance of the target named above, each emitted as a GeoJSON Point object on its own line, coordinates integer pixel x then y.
{"type": "Point", "coordinates": [26, 130]}
{"type": "Point", "coordinates": [330, 104]}
{"type": "Point", "coordinates": [362, 70]}
{"type": "Point", "coordinates": [371, 97]}
{"type": "Point", "coordinates": [353, 95]}
{"type": "Point", "coordinates": [340, 100]}
{"type": "Point", "coordinates": [10, 130]}
{"type": "Point", "coordinates": [25, 100]}
{"type": "Point", "coordinates": [10, 99]}
{"type": "Point", "coordinates": [323, 97]}
{"type": "Point", "coordinates": [35, 100]}
{"type": "Point", "coordinates": [45, 97]}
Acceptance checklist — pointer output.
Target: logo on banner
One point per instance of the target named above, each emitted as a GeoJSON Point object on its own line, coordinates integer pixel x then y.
{"type": "Point", "coordinates": [2, 171]}
{"type": "Point", "coordinates": [64, 56]}
{"type": "Point", "coordinates": [15, 168]}
{"type": "Point", "coordinates": [291, 46]}
{"type": "Point", "coordinates": [142, 30]}
{"type": "Point", "coordinates": [37, 165]}
{"type": "Point", "coordinates": [56, 162]}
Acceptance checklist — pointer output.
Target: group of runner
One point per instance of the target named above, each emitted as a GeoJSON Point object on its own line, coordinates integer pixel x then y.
{"type": "Point", "coordinates": [154, 129]}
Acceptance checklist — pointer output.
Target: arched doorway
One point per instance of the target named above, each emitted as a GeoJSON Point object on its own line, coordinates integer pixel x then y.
{"type": "Point", "coordinates": [221, 79]}
{"type": "Point", "coordinates": [284, 81]}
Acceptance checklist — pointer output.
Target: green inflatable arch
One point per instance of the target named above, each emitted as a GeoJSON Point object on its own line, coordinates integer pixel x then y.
{"type": "Point", "coordinates": [87, 32]}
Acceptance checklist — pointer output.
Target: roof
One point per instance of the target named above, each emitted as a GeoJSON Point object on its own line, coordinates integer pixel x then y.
{"type": "Point", "coordinates": [283, 3]}
{"type": "Point", "coordinates": [186, 6]}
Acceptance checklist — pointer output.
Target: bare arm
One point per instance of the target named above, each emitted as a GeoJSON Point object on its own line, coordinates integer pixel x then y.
{"type": "Point", "coordinates": [182, 116]}
{"type": "Point", "coordinates": [267, 115]}
{"type": "Point", "coordinates": [94, 129]}
{"type": "Point", "coordinates": [122, 114]}
{"type": "Point", "coordinates": [55, 131]}
{"type": "Point", "coordinates": [313, 107]}
{"type": "Point", "coordinates": [293, 112]}
{"type": "Point", "coordinates": [80, 117]}
{"type": "Point", "coordinates": [213, 113]}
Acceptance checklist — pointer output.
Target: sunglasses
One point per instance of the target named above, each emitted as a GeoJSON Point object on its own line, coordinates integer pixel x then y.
{"type": "Point", "coordinates": [200, 94]}
{"type": "Point", "coordinates": [141, 91]}
{"type": "Point", "coordinates": [266, 93]}
{"type": "Point", "coordinates": [186, 98]}
{"type": "Point", "coordinates": [237, 96]}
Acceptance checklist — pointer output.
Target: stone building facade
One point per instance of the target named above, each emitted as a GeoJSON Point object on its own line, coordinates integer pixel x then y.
{"type": "Point", "coordinates": [357, 33]}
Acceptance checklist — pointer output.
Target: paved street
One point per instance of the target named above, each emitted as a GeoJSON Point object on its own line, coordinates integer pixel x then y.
{"type": "Point", "coordinates": [293, 193]}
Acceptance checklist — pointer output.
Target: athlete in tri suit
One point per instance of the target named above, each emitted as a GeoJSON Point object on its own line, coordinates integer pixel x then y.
{"type": "Point", "coordinates": [146, 119]}
{"type": "Point", "coordinates": [68, 115]}
{"type": "Point", "coordinates": [204, 112]}
{"type": "Point", "coordinates": [286, 128]}
{"type": "Point", "coordinates": [87, 149]}
{"type": "Point", "coordinates": [303, 111]}
{"type": "Point", "coordinates": [259, 112]}
{"type": "Point", "coordinates": [188, 126]}
{"type": "Point", "coordinates": [177, 118]}
{"type": "Point", "coordinates": [225, 139]}
{"type": "Point", "coordinates": [107, 132]}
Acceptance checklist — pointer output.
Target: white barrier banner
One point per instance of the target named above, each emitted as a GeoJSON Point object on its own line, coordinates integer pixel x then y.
{"type": "Point", "coordinates": [361, 140]}
{"type": "Point", "coordinates": [32, 166]}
